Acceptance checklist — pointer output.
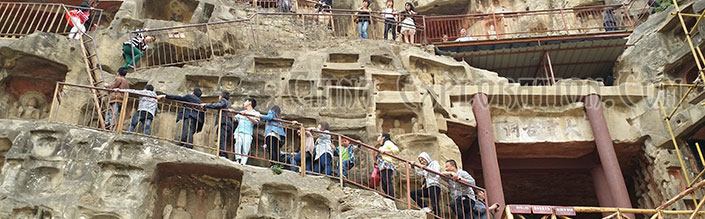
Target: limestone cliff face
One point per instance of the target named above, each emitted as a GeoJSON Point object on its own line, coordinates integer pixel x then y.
{"type": "Point", "coordinates": [58, 171]}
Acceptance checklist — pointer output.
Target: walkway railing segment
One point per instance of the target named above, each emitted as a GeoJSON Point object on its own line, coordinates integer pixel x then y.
{"type": "Point", "coordinates": [73, 105]}
{"type": "Point", "coordinates": [18, 19]}
{"type": "Point", "coordinates": [529, 24]}
{"type": "Point", "coordinates": [179, 45]}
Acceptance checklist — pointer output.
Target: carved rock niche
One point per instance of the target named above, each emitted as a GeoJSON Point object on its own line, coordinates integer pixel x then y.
{"type": "Point", "coordinates": [431, 72]}
{"type": "Point", "coordinates": [382, 62]}
{"type": "Point", "coordinates": [196, 191]}
{"type": "Point", "coordinates": [5, 145]}
{"type": "Point", "coordinates": [171, 10]}
{"type": "Point", "coordinates": [229, 83]}
{"type": "Point", "coordinates": [207, 83]}
{"type": "Point", "coordinates": [398, 118]}
{"type": "Point", "coordinates": [348, 102]}
{"type": "Point", "coordinates": [300, 88]}
{"type": "Point", "coordinates": [346, 78]}
{"type": "Point", "coordinates": [272, 65]}
{"type": "Point", "coordinates": [392, 82]}
{"type": "Point", "coordinates": [343, 57]}
{"type": "Point", "coordinates": [27, 87]}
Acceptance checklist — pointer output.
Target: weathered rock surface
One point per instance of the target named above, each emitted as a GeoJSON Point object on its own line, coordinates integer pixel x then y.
{"type": "Point", "coordinates": [59, 171]}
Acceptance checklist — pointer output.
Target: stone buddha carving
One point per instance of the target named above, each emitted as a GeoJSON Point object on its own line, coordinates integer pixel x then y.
{"type": "Point", "coordinates": [218, 211]}
{"type": "Point", "coordinates": [180, 211]}
{"type": "Point", "coordinates": [31, 109]}
{"type": "Point", "coordinates": [416, 127]}
{"type": "Point", "coordinates": [397, 130]}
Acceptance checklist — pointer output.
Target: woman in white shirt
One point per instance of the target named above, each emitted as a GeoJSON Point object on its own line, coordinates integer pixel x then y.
{"type": "Point", "coordinates": [390, 20]}
{"type": "Point", "coordinates": [408, 26]}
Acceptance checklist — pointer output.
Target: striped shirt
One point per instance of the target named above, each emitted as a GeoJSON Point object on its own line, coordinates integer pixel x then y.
{"type": "Point", "coordinates": [137, 41]}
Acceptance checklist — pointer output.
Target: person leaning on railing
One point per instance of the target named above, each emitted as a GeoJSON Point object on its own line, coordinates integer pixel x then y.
{"type": "Point", "coordinates": [309, 150]}
{"type": "Point", "coordinates": [363, 19]}
{"type": "Point", "coordinates": [390, 20]}
{"type": "Point", "coordinates": [432, 187]}
{"type": "Point", "coordinates": [480, 209]}
{"type": "Point", "coordinates": [115, 98]}
{"type": "Point", "coordinates": [145, 110]}
{"type": "Point", "coordinates": [246, 121]}
{"type": "Point", "coordinates": [226, 122]}
{"type": "Point", "coordinates": [408, 25]}
{"type": "Point", "coordinates": [324, 150]}
{"type": "Point", "coordinates": [463, 196]}
{"type": "Point", "coordinates": [191, 114]}
{"type": "Point", "coordinates": [274, 134]}
{"type": "Point", "coordinates": [346, 154]}
{"type": "Point", "coordinates": [384, 162]}
{"type": "Point", "coordinates": [133, 49]}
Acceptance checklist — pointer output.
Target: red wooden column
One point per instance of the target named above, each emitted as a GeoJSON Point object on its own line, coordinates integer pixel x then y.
{"type": "Point", "coordinates": [605, 149]}
{"type": "Point", "coordinates": [488, 152]}
{"type": "Point", "coordinates": [602, 190]}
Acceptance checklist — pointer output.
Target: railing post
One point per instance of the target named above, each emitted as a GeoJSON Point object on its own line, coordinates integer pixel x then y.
{"type": "Point", "coordinates": [565, 24]}
{"type": "Point", "coordinates": [425, 30]}
{"type": "Point", "coordinates": [123, 108]}
{"type": "Point", "coordinates": [629, 17]}
{"type": "Point", "coordinates": [408, 186]}
{"type": "Point", "coordinates": [217, 145]}
{"type": "Point", "coordinates": [508, 212]}
{"type": "Point", "coordinates": [210, 42]}
{"type": "Point", "coordinates": [54, 101]}
{"type": "Point", "coordinates": [340, 161]}
{"type": "Point", "coordinates": [494, 21]}
{"type": "Point", "coordinates": [302, 149]}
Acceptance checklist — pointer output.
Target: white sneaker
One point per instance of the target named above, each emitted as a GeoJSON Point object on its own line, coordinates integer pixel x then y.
{"type": "Point", "coordinates": [426, 209]}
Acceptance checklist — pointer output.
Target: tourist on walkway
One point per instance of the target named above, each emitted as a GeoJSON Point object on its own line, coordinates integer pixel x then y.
{"type": "Point", "coordinates": [390, 20]}
{"type": "Point", "coordinates": [77, 18]}
{"type": "Point", "coordinates": [363, 19]}
{"type": "Point", "coordinates": [226, 123]}
{"type": "Point", "coordinates": [309, 149]}
{"type": "Point", "coordinates": [384, 162]}
{"type": "Point", "coordinates": [345, 152]}
{"type": "Point", "coordinates": [408, 26]}
{"type": "Point", "coordinates": [275, 135]}
{"type": "Point", "coordinates": [191, 114]}
{"type": "Point", "coordinates": [91, 4]}
{"type": "Point", "coordinates": [115, 98]}
{"type": "Point", "coordinates": [324, 150]}
{"type": "Point", "coordinates": [133, 49]}
{"type": "Point", "coordinates": [246, 121]}
{"type": "Point", "coordinates": [480, 209]}
{"type": "Point", "coordinates": [463, 36]}
{"type": "Point", "coordinates": [145, 110]}
{"type": "Point", "coordinates": [432, 187]}
{"type": "Point", "coordinates": [462, 196]}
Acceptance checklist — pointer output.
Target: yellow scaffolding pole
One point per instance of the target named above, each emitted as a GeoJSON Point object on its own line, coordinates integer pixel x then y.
{"type": "Point", "coordinates": [678, 150]}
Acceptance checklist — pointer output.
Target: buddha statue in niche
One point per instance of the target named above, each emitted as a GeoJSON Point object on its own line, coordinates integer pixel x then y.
{"type": "Point", "coordinates": [397, 130]}
{"type": "Point", "coordinates": [218, 211]}
{"type": "Point", "coordinates": [31, 109]}
{"type": "Point", "coordinates": [180, 211]}
{"type": "Point", "coordinates": [416, 127]}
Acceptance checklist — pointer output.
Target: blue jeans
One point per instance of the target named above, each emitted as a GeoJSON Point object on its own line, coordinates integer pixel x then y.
{"type": "Point", "coordinates": [297, 162]}
{"type": "Point", "coordinates": [188, 128]}
{"type": "Point", "coordinates": [347, 165]}
{"type": "Point", "coordinates": [113, 113]}
{"type": "Point", "coordinates": [144, 117]}
{"type": "Point", "coordinates": [323, 164]}
{"type": "Point", "coordinates": [362, 29]}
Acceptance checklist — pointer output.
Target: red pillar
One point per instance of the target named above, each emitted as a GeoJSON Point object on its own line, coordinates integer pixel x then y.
{"type": "Point", "coordinates": [602, 190]}
{"type": "Point", "coordinates": [488, 152]}
{"type": "Point", "coordinates": [605, 149]}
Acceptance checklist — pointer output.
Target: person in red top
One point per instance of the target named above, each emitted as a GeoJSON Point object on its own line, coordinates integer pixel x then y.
{"type": "Point", "coordinates": [115, 98]}
{"type": "Point", "coordinates": [77, 17]}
